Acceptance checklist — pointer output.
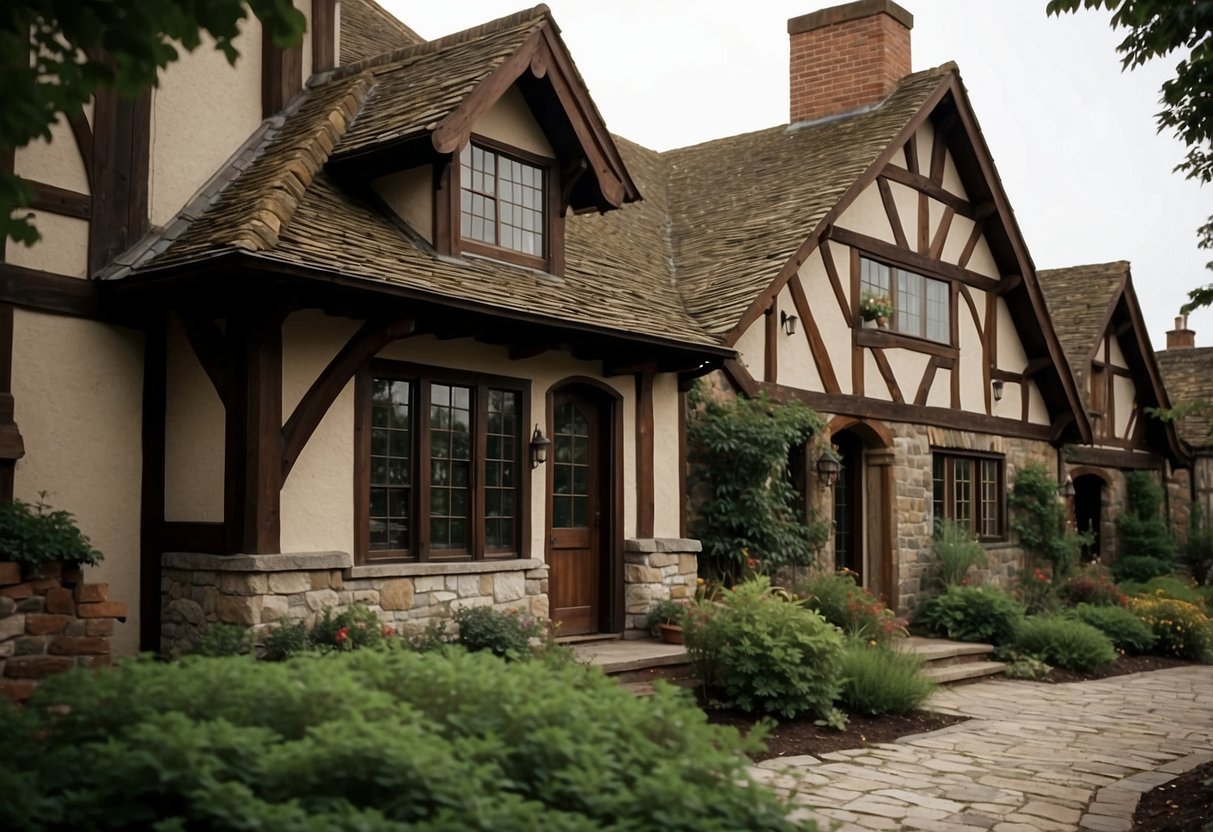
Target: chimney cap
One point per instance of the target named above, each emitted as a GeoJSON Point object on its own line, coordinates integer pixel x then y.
{"type": "Point", "coordinates": [848, 12]}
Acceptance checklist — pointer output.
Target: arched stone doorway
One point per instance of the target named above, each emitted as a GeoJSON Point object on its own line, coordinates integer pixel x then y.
{"type": "Point", "coordinates": [1089, 499]}
{"type": "Point", "coordinates": [862, 507]}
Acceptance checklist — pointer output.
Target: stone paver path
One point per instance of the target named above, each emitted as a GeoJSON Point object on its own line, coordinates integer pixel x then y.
{"type": "Point", "coordinates": [1032, 758]}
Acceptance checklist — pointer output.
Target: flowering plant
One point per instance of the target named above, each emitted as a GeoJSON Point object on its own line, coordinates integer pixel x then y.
{"type": "Point", "coordinates": [873, 307]}
{"type": "Point", "coordinates": [354, 627]}
{"type": "Point", "coordinates": [840, 599]}
{"type": "Point", "coordinates": [1035, 590]}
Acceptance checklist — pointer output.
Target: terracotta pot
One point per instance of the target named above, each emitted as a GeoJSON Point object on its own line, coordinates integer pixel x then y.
{"type": "Point", "coordinates": [670, 633]}
{"type": "Point", "coordinates": [882, 322]}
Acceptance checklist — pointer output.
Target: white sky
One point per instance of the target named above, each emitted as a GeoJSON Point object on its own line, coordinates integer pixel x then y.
{"type": "Point", "coordinates": [1072, 136]}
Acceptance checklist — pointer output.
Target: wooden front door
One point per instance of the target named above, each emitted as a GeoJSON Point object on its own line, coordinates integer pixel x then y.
{"type": "Point", "coordinates": [848, 506]}
{"type": "Point", "coordinates": [575, 546]}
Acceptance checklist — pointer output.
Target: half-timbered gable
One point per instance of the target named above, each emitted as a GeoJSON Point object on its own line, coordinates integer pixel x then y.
{"type": "Point", "coordinates": [1098, 320]}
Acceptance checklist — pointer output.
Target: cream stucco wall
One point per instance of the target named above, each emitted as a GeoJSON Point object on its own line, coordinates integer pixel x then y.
{"type": "Point", "coordinates": [63, 248]}
{"type": "Point", "coordinates": [972, 359]}
{"type": "Point", "coordinates": [1125, 394]}
{"type": "Point", "coordinates": [751, 348]}
{"type": "Point", "coordinates": [666, 488]}
{"type": "Point", "coordinates": [796, 365]}
{"type": "Point", "coordinates": [908, 367]}
{"type": "Point", "coordinates": [1116, 356]}
{"type": "Point", "coordinates": [194, 435]}
{"type": "Point", "coordinates": [867, 215]}
{"type": "Point", "coordinates": [834, 329]}
{"type": "Point", "coordinates": [57, 162]}
{"type": "Point", "coordinates": [305, 6]}
{"type": "Point", "coordinates": [201, 89]}
{"type": "Point", "coordinates": [78, 397]}
{"type": "Point", "coordinates": [510, 121]}
{"type": "Point", "coordinates": [410, 193]}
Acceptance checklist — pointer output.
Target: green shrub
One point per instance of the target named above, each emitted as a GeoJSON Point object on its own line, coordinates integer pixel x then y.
{"type": "Point", "coordinates": [1141, 528]}
{"type": "Point", "coordinates": [1198, 552]}
{"type": "Point", "coordinates": [370, 740]}
{"type": "Point", "coordinates": [758, 650]}
{"type": "Point", "coordinates": [1038, 518]}
{"type": "Point", "coordinates": [1065, 642]}
{"type": "Point", "coordinates": [286, 640]}
{"type": "Point", "coordinates": [739, 453]}
{"type": "Point", "coordinates": [1180, 629]}
{"type": "Point", "coordinates": [879, 680]}
{"type": "Point", "coordinates": [1091, 585]}
{"type": "Point", "coordinates": [1020, 666]}
{"type": "Point", "coordinates": [1036, 590]}
{"type": "Point", "coordinates": [1127, 632]}
{"type": "Point", "coordinates": [355, 626]}
{"type": "Point", "coordinates": [1168, 586]}
{"type": "Point", "coordinates": [956, 551]}
{"type": "Point", "coordinates": [32, 535]}
{"type": "Point", "coordinates": [851, 608]}
{"type": "Point", "coordinates": [505, 634]}
{"type": "Point", "coordinates": [1139, 568]}
{"type": "Point", "coordinates": [963, 613]}
{"type": "Point", "coordinates": [224, 640]}
{"type": "Point", "coordinates": [665, 611]}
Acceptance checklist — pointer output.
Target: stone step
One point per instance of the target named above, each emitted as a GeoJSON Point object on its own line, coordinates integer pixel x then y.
{"type": "Point", "coordinates": [940, 651]}
{"type": "Point", "coordinates": [947, 674]}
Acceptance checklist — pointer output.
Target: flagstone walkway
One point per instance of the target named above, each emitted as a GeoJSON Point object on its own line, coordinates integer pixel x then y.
{"type": "Point", "coordinates": [1032, 758]}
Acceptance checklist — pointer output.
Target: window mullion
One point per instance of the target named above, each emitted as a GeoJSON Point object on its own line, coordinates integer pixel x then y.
{"type": "Point", "coordinates": [424, 450]}
{"type": "Point", "coordinates": [480, 424]}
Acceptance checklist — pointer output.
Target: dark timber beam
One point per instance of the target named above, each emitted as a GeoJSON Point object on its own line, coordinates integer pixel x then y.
{"type": "Point", "coordinates": [644, 455]}
{"type": "Point", "coordinates": [211, 348]}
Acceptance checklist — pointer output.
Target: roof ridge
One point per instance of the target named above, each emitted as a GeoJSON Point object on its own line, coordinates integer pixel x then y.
{"type": "Point", "coordinates": [429, 47]}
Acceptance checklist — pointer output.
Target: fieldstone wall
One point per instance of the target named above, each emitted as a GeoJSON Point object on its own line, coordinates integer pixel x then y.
{"type": "Point", "coordinates": [50, 623]}
{"type": "Point", "coordinates": [260, 591]}
{"type": "Point", "coordinates": [656, 569]}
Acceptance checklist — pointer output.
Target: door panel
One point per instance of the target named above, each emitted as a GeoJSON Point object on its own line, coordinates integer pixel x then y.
{"type": "Point", "coordinates": [848, 506]}
{"type": "Point", "coordinates": [575, 549]}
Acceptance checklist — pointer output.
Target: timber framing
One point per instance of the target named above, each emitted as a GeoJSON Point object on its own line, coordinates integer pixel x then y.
{"type": "Point", "coordinates": [121, 159]}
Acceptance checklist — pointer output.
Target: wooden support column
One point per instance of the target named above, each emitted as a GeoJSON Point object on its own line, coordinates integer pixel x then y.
{"type": "Point", "coordinates": [253, 470]}
{"type": "Point", "coordinates": [151, 511]}
{"type": "Point", "coordinates": [644, 454]}
{"type": "Point", "coordinates": [281, 74]}
{"type": "Point", "coordinates": [324, 35]}
{"type": "Point", "coordinates": [121, 152]}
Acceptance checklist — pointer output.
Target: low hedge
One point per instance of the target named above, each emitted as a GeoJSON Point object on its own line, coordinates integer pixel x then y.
{"type": "Point", "coordinates": [370, 740]}
{"type": "Point", "coordinates": [965, 613]}
{"type": "Point", "coordinates": [1064, 642]}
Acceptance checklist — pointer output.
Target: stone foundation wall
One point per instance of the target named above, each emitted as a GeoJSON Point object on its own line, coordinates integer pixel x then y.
{"type": "Point", "coordinates": [656, 569]}
{"type": "Point", "coordinates": [50, 623]}
{"type": "Point", "coordinates": [260, 591]}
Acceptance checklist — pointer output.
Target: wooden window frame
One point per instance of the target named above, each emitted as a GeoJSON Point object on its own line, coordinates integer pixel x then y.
{"type": "Point", "coordinates": [949, 457]}
{"type": "Point", "coordinates": [448, 217]}
{"type": "Point", "coordinates": [421, 377]}
{"type": "Point", "coordinates": [923, 303]}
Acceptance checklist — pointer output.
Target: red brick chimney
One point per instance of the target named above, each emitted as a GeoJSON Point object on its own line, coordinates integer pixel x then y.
{"type": "Point", "coordinates": [1181, 338]}
{"type": "Point", "coordinates": [847, 57]}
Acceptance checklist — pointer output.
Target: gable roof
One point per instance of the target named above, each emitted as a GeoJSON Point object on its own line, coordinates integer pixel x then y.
{"type": "Point", "coordinates": [368, 29]}
{"type": "Point", "coordinates": [1090, 301]}
{"type": "Point", "coordinates": [1189, 378]}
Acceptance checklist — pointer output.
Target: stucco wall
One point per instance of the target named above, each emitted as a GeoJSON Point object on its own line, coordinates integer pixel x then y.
{"type": "Point", "coordinates": [56, 162]}
{"type": "Point", "coordinates": [194, 434]}
{"type": "Point", "coordinates": [78, 393]}
{"type": "Point", "coordinates": [510, 121]}
{"type": "Point", "coordinates": [410, 193]}
{"type": "Point", "coordinates": [666, 488]}
{"type": "Point", "coordinates": [63, 248]}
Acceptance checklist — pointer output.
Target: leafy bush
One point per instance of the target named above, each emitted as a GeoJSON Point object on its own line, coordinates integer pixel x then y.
{"type": "Point", "coordinates": [963, 613]}
{"type": "Point", "coordinates": [1180, 629]}
{"type": "Point", "coordinates": [224, 640]}
{"type": "Point", "coordinates": [879, 680]}
{"type": "Point", "coordinates": [355, 626]}
{"type": "Point", "coordinates": [370, 740]}
{"type": "Point", "coordinates": [1141, 528]}
{"type": "Point", "coordinates": [956, 551]}
{"type": "Point", "coordinates": [33, 535]}
{"type": "Point", "coordinates": [1065, 642]}
{"type": "Point", "coordinates": [1139, 568]}
{"type": "Point", "coordinates": [739, 450]}
{"type": "Point", "coordinates": [1020, 666]}
{"type": "Point", "coordinates": [1198, 552]}
{"type": "Point", "coordinates": [1039, 519]}
{"type": "Point", "coordinates": [665, 611]}
{"type": "Point", "coordinates": [1168, 586]}
{"type": "Point", "coordinates": [286, 640]}
{"type": "Point", "coordinates": [1127, 632]}
{"type": "Point", "coordinates": [1035, 590]}
{"type": "Point", "coordinates": [761, 651]}
{"type": "Point", "coordinates": [1092, 585]}
{"type": "Point", "coordinates": [850, 607]}
{"type": "Point", "coordinates": [505, 634]}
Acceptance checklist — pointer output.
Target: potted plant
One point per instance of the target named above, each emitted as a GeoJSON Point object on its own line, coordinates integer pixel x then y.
{"type": "Point", "coordinates": [39, 540]}
{"type": "Point", "coordinates": [878, 308]}
{"type": "Point", "coordinates": [665, 621]}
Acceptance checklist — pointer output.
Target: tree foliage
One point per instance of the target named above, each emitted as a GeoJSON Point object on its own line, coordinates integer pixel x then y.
{"type": "Point", "coordinates": [1157, 29]}
{"type": "Point", "coordinates": [56, 54]}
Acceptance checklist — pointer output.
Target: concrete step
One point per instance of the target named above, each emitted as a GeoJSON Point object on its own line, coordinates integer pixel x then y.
{"type": "Point", "coordinates": [966, 671]}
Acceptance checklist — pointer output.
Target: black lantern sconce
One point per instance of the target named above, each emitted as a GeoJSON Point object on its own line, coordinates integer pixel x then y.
{"type": "Point", "coordinates": [1067, 489]}
{"type": "Point", "coordinates": [828, 466]}
{"type": "Point", "coordinates": [539, 448]}
{"type": "Point", "coordinates": [996, 386]}
{"type": "Point", "coordinates": [788, 322]}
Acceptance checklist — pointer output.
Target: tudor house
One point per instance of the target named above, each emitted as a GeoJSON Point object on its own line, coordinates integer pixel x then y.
{"type": "Point", "coordinates": [1187, 371]}
{"type": "Point", "coordinates": [1095, 311]}
{"type": "Point", "coordinates": [325, 327]}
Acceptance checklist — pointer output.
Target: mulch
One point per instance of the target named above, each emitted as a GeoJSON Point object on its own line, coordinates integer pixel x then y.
{"type": "Point", "coordinates": [1121, 667]}
{"type": "Point", "coordinates": [1183, 805]}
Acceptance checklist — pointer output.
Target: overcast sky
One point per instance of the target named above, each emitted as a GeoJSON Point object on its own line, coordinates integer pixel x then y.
{"type": "Point", "coordinates": [1072, 136]}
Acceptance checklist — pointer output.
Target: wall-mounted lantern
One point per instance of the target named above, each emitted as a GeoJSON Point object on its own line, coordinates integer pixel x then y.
{"type": "Point", "coordinates": [996, 386]}
{"type": "Point", "coordinates": [828, 466]}
{"type": "Point", "coordinates": [788, 322]}
{"type": "Point", "coordinates": [1067, 489]}
{"type": "Point", "coordinates": [539, 447]}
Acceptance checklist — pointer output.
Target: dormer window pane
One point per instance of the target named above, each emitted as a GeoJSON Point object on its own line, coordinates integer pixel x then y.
{"type": "Point", "coordinates": [501, 201]}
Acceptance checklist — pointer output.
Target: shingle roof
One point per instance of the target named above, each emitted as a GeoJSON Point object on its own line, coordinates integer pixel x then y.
{"type": "Point", "coordinates": [1188, 375]}
{"type": "Point", "coordinates": [1079, 300]}
{"type": "Point", "coordinates": [742, 206]}
{"type": "Point", "coordinates": [368, 29]}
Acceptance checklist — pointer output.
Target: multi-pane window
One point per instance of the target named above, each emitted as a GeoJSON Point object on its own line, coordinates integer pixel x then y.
{"type": "Point", "coordinates": [968, 490]}
{"type": "Point", "coordinates": [570, 469]}
{"type": "Point", "coordinates": [921, 305]}
{"type": "Point", "coordinates": [501, 200]}
{"type": "Point", "coordinates": [443, 478]}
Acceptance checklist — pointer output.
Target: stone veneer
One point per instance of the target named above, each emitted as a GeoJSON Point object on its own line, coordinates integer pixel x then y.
{"type": "Point", "coordinates": [49, 623]}
{"type": "Point", "coordinates": [258, 591]}
{"type": "Point", "coordinates": [656, 569]}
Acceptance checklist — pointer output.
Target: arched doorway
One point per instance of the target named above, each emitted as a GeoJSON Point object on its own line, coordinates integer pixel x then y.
{"type": "Point", "coordinates": [1088, 512]}
{"type": "Point", "coordinates": [584, 508]}
{"type": "Point", "coordinates": [862, 504]}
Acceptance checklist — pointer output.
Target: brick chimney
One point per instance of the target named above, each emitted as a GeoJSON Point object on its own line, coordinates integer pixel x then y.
{"type": "Point", "coordinates": [1181, 338]}
{"type": "Point", "coordinates": [846, 57]}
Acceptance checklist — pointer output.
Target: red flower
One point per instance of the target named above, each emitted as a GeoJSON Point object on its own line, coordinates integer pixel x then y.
{"type": "Point", "coordinates": [342, 635]}
{"type": "Point", "coordinates": [388, 631]}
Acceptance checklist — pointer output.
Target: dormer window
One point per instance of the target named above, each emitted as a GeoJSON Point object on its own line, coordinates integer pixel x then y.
{"type": "Point", "coordinates": [501, 200]}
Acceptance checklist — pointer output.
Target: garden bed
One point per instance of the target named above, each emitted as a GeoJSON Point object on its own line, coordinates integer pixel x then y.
{"type": "Point", "coordinates": [1123, 666]}
{"type": "Point", "coordinates": [1183, 805]}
